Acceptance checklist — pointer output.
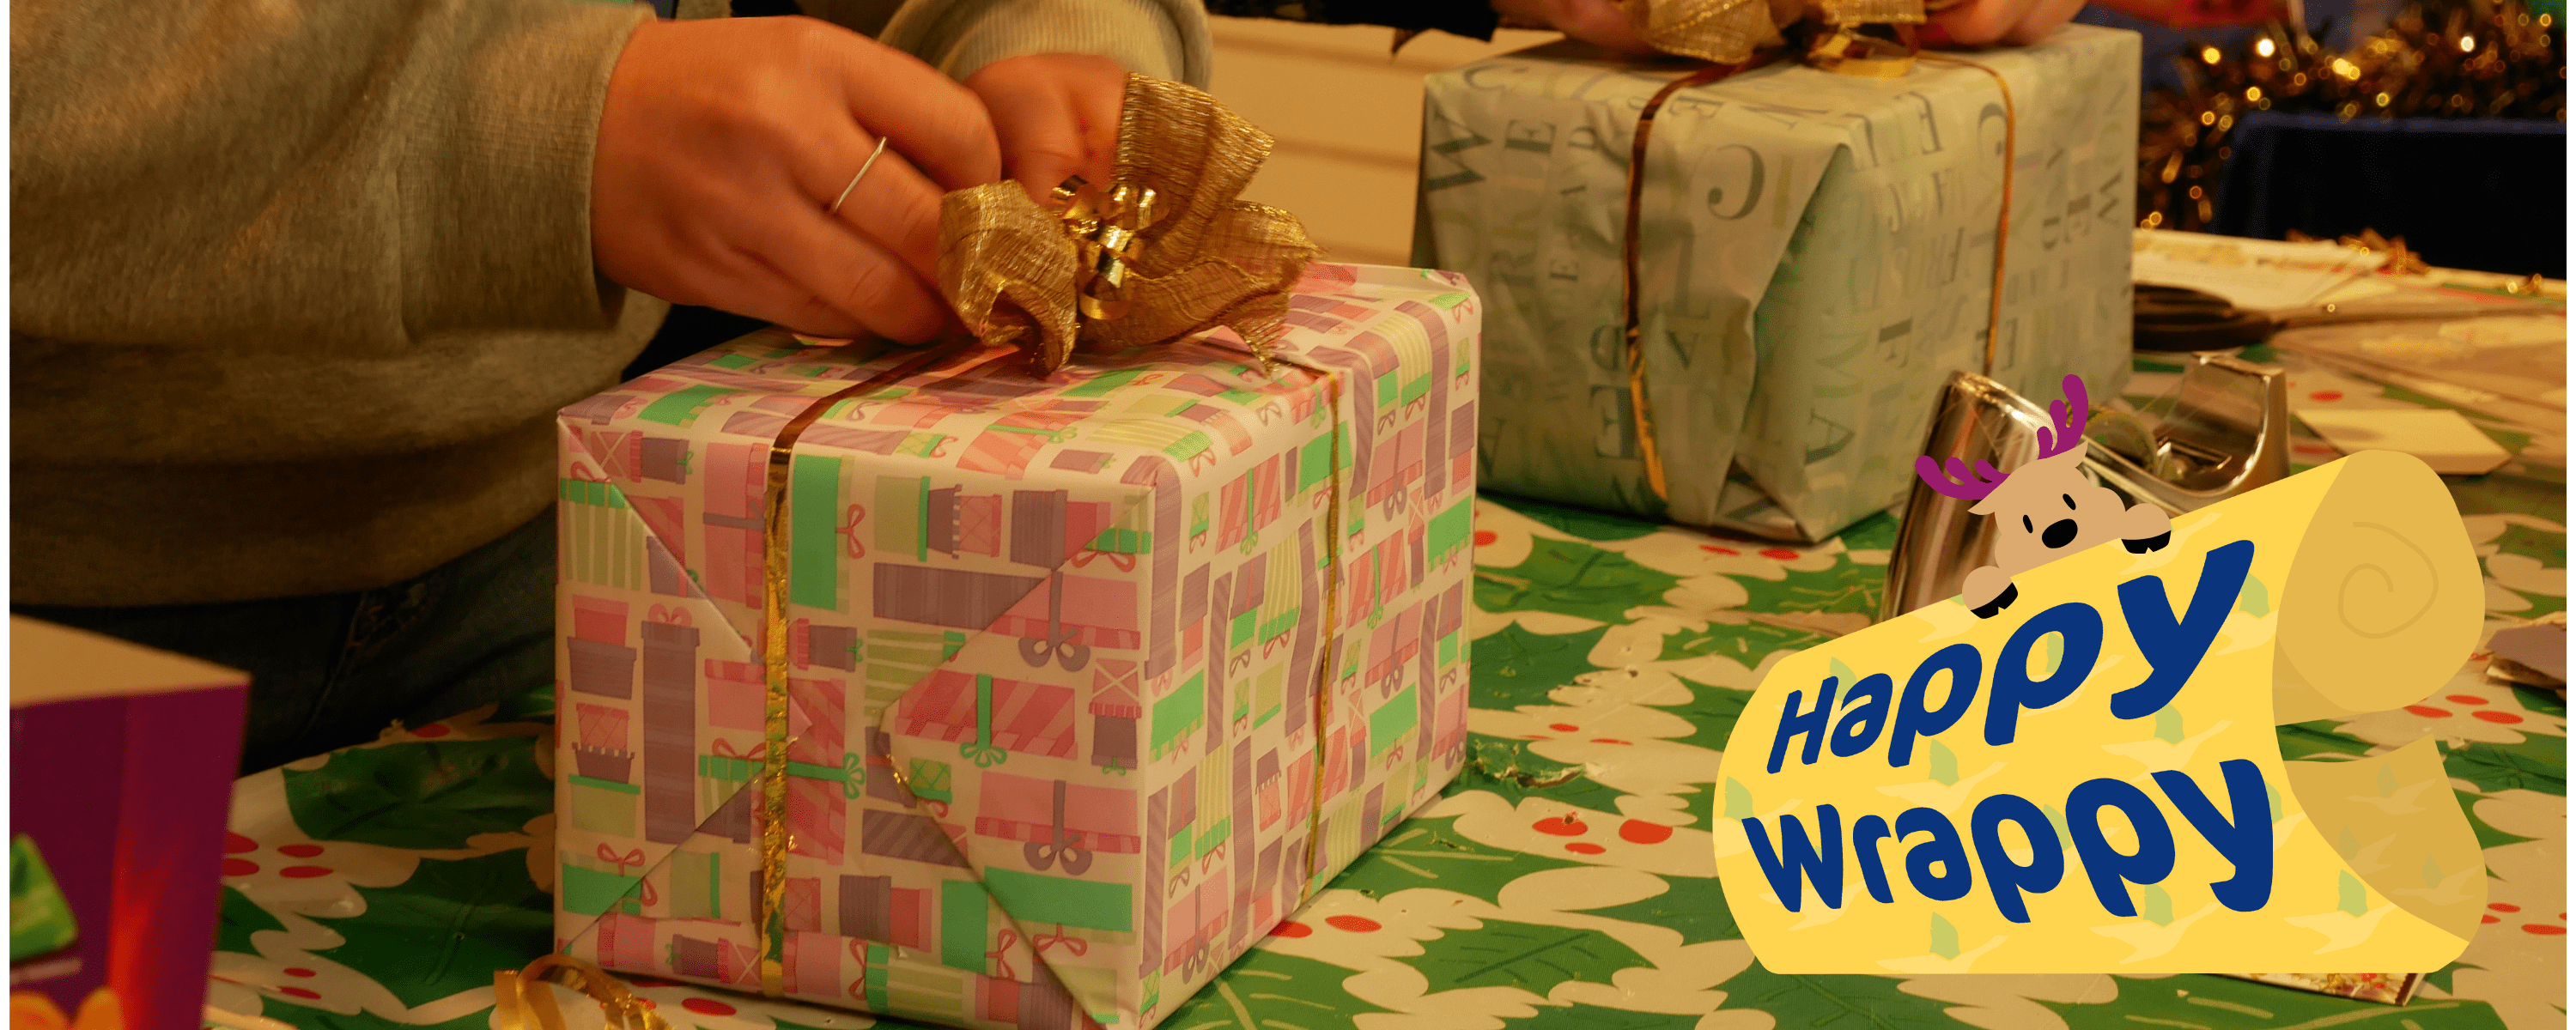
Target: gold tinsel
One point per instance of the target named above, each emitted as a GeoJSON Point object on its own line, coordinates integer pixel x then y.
{"type": "Point", "coordinates": [2437, 59]}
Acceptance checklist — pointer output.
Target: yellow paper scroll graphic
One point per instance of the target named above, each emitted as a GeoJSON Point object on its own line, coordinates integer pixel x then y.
{"type": "Point", "coordinates": [2090, 780]}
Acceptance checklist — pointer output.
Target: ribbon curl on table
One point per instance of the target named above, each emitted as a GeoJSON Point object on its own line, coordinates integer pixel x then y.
{"type": "Point", "coordinates": [521, 1000]}
{"type": "Point", "coordinates": [1869, 38]}
{"type": "Point", "coordinates": [1163, 251]}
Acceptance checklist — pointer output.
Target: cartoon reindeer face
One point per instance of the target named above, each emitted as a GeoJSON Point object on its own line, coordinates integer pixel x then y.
{"type": "Point", "coordinates": [2045, 509]}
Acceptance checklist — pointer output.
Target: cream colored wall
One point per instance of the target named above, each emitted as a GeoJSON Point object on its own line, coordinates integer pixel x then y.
{"type": "Point", "coordinates": [1348, 117]}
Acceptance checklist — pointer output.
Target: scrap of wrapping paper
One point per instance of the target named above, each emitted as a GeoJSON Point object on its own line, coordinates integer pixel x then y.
{"type": "Point", "coordinates": [1864, 37]}
{"type": "Point", "coordinates": [1165, 250]}
{"type": "Point", "coordinates": [2089, 782]}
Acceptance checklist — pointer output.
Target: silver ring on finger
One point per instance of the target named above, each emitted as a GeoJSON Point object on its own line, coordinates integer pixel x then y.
{"type": "Point", "coordinates": [863, 173]}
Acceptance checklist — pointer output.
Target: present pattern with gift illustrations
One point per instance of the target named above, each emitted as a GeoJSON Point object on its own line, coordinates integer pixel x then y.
{"type": "Point", "coordinates": [1088, 681]}
{"type": "Point", "coordinates": [1817, 252]}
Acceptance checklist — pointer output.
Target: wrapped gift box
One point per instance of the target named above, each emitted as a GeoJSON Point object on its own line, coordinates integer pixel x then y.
{"type": "Point", "coordinates": [122, 761]}
{"type": "Point", "coordinates": [1817, 255]}
{"type": "Point", "coordinates": [1088, 681]}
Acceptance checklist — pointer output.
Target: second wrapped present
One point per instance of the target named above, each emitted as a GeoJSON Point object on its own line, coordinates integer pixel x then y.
{"type": "Point", "coordinates": [911, 682]}
{"type": "Point", "coordinates": [1817, 253]}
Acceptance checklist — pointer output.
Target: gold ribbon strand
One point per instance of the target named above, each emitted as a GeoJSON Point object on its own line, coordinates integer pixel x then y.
{"type": "Point", "coordinates": [1872, 38]}
{"type": "Point", "coordinates": [522, 1001]}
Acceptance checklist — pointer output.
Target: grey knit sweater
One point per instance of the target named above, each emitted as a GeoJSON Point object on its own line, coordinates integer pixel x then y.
{"type": "Point", "coordinates": [299, 284]}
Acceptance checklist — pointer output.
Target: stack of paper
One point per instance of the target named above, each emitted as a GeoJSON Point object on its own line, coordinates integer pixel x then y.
{"type": "Point", "coordinates": [2256, 275]}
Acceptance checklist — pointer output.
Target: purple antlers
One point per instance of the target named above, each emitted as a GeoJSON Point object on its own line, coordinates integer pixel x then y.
{"type": "Point", "coordinates": [2070, 415]}
{"type": "Point", "coordinates": [1967, 485]}
{"type": "Point", "coordinates": [1959, 483]}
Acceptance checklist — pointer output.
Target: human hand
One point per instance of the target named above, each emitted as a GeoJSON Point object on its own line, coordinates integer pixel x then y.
{"type": "Point", "coordinates": [1980, 23]}
{"type": "Point", "coordinates": [721, 150]}
{"type": "Point", "coordinates": [1602, 23]}
{"type": "Point", "coordinates": [1055, 115]}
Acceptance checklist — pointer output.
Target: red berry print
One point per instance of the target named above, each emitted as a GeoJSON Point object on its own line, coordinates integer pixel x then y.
{"type": "Point", "coordinates": [2428, 711]}
{"type": "Point", "coordinates": [1639, 831]}
{"type": "Point", "coordinates": [2502, 907]}
{"type": "Point", "coordinates": [298, 992]}
{"type": "Point", "coordinates": [1563, 727]}
{"type": "Point", "coordinates": [2544, 929]}
{"type": "Point", "coordinates": [2489, 919]}
{"type": "Point", "coordinates": [300, 850]}
{"type": "Point", "coordinates": [240, 867]}
{"type": "Point", "coordinates": [707, 1007]}
{"type": "Point", "coordinates": [1714, 549]}
{"type": "Point", "coordinates": [303, 872]}
{"type": "Point", "coordinates": [1565, 827]}
{"type": "Point", "coordinates": [2499, 718]}
{"type": "Point", "coordinates": [1779, 554]}
{"type": "Point", "coordinates": [2326, 395]}
{"type": "Point", "coordinates": [2471, 700]}
{"type": "Point", "coordinates": [1607, 740]}
{"type": "Point", "coordinates": [1292, 929]}
{"type": "Point", "coordinates": [236, 844]}
{"type": "Point", "coordinates": [1351, 924]}
{"type": "Point", "coordinates": [297, 971]}
{"type": "Point", "coordinates": [1583, 848]}
{"type": "Point", "coordinates": [432, 731]}
{"type": "Point", "coordinates": [1485, 538]}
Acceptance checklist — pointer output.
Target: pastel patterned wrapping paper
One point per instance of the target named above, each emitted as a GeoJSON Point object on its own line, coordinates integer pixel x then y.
{"type": "Point", "coordinates": [1056, 747]}
{"type": "Point", "coordinates": [1818, 255]}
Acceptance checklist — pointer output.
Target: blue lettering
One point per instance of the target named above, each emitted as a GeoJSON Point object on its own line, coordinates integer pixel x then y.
{"type": "Point", "coordinates": [1804, 860]}
{"type": "Point", "coordinates": [1867, 831]}
{"type": "Point", "coordinates": [2110, 870]}
{"type": "Point", "coordinates": [2005, 879]}
{"type": "Point", "coordinates": [2075, 623]}
{"type": "Point", "coordinates": [1809, 724]}
{"type": "Point", "coordinates": [2173, 648]}
{"type": "Point", "coordinates": [2246, 843]}
{"type": "Point", "coordinates": [1864, 714]}
{"type": "Point", "coordinates": [1913, 720]}
{"type": "Point", "coordinates": [1943, 849]}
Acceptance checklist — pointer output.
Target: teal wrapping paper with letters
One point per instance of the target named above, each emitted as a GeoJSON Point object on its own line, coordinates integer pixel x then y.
{"type": "Point", "coordinates": [1817, 256]}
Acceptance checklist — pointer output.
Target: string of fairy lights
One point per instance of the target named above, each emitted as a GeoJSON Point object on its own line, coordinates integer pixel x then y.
{"type": "Point", "coordinates": [2437, 58]}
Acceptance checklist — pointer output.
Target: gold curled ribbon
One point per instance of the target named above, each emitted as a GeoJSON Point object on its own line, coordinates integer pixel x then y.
{"type": "Point", "coordinates": [1165, 250]}
{"type": "Point", "coordinates": [520, 1000]}
{"type": "Point", "coordinates": [1710, 30]}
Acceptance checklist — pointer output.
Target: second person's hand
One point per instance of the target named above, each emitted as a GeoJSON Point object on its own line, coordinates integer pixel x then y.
{"type": "Point", "coordinates": [1055, 115]}
{"type": "Point", "coordinates": [724, 144]}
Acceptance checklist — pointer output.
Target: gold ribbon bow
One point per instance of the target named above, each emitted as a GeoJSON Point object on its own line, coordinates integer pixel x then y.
{"type": "Point", "coordinates": [1165, 250]}
{"type": "Point", "coordinates": [1854, 37]}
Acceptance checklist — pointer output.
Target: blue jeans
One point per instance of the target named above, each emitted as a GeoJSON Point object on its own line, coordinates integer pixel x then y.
{"type": "Point", "coordinates": [335, 670]}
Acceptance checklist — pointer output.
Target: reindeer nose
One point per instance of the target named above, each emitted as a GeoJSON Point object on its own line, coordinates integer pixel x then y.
{"type": "Point", "coordinates": [2059, 534]}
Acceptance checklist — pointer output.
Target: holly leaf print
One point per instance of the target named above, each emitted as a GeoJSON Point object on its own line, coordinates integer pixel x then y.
{"type": "Point", "coordinates": [428, 796]}
{"type": "Point", "coordinates": [1533, 958]}
{"type": "Point", "coordinates": [452, 922]}
{"type": "Point", "coordinates": [1267, 990]}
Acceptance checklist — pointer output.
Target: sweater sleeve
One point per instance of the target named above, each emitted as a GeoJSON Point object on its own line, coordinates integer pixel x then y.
{"type": "Point", "coordinates": [344, 176]}
{"type": "Point", "coordinates": [1166, 39]}
{"type": "Point", "coordinates": [1474, 19]}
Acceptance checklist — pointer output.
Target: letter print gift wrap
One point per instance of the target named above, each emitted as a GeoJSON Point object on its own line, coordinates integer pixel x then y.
{"type": "Point", "coordinates": [1088, 681]}
{"type": "Point", "coordinates": [1816, 256]}
{"type": "Point", "coordinates": [2090, 781]}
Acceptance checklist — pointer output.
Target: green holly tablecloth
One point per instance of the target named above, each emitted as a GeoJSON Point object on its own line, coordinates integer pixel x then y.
{"type": "Point", "coordinates": [383, 885]}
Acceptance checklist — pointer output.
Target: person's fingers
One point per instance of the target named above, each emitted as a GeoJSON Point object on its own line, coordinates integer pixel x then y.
{"type": "Point", "coordinates": [857, 277]}
{"type": "Point", "coordinates": [932, 119]}
{"type": "Point", "coordinates": [2044, 19]}
{"type": "Point", "coordinates": [1982, 22]}
{"type": "Point", "coordinates": [1042, 141]}
{"type": "Point", "coordinates": [1601, 23]}
{"type": "Point", "coordinates": [893, 204]}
